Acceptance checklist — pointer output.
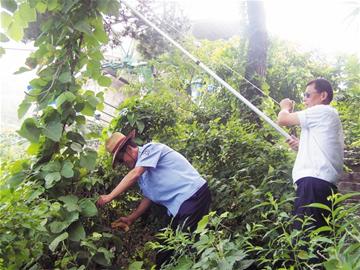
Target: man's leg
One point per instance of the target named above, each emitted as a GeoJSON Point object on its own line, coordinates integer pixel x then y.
{"type": "Point", "coordinates": [312, 190]}
{"type": "Point", "coordinates": [190, 213]}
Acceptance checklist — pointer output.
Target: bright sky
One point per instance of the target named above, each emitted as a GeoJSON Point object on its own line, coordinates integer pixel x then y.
{"type": "Point", "coordinates": [312, 24]}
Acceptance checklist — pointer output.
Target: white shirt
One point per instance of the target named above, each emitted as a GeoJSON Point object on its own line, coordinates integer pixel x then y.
{"type": "Point", "coordinates": [321, 146]}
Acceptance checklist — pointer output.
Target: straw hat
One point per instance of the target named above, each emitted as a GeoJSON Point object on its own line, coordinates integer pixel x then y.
{"type": "Point", "coordinates": [116, 143]}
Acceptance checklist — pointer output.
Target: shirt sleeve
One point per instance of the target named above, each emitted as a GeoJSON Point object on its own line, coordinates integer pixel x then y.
{"type": "Point", "coordinates": [312, 117]}
{"type": "Point", "coordinates": [150, 155]}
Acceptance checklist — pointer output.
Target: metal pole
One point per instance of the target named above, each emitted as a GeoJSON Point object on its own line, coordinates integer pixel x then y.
{"type": "Point", "coordinates": [210, 72]}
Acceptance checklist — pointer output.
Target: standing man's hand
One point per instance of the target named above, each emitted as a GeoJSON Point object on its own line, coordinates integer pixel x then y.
{"type": "Point", "coordinates": [103, 199]}
{"type": "Point", "coordinates": [293, 143]}
{"type": "Point", "coordinates": [287, 104]}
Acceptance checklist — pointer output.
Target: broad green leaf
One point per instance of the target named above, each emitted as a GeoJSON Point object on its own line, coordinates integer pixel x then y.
{"type": "Point", "coordinates": [67, 169]}
{"type": "Point", "coordinates": [88, 110]}
{"type": "Point", "coordinates": [41, 6]}
{"type": "Point", "coordinates": [29, 130]}
{"type": "Point", "coordinates": [76, 147]}
{"type": "Point", "coordinates": [52, 166]}
{"type": "Point", "coordinates": [104, 81]}
{"type": "Point", "coordinates": [53, 131]}
{"type": "Point", "coordinates": [140, 125]}
{"type": "Point", "coordinates": [100, 34]}
{"type": "Point", "coordinates": [88, 159]}
{"type": "Point", "coordinates": [34, 195]}
{"type": "Point", "coordinates": [184, 263]}
{"type": "Point", "coordinates": [33, 149]}
{"type": "Point", "coordinates": [202, 224]}
{"type": "Point", "coordinates": [76, 137]}
{"type": "Point", "coordinates": [100, 259]}
{"type": "Point", "coordinates": [303, 255]}
{"type": "Point", "coordinates": [16, 179]}
{"type": "Point", "coordinates": [6, 20]}
{"type": "Point", "coordinates": [51, 179]}
{"type": "Point", "coordinates": [15, 31]}
{"type": "Point", "coordinates": [71, 202]}
{"type": "Point", "coordinates": [107, 254]}
{"type": "Point", "coordinates": [22, 70]}
{"type": "Point", "coordinates": [53, 245]}
{"type": "Point", "coordinates": [23, 108]}
{"type": "Point", "coordinates": [3, 38]}
{"type": "Point", "coordinates": [27, 13]}
{"type": "Point", "coordinates": [66, 96]}
{"type": "Point", "coordinates": [76, 232]}
{"type": "Point", "coordinates": [58, 226]}
{"type": "Point", "coordinates": [131, 118]}
{"type": "Point", "coordinates": [109, 7]}
{"type": "Point", "coordinates": [53, 4]}
{"type": "Point", "coordinates": [80, 119]}
{"type": "Point", "coordinates": [136, 266]}
{"type": "Point", "coordinates": [93, 101]}
{"type": "Point", "coordinates": [10, 5]}
{"type": "Point", "coordinates": [65, 77]}
{"type": "Point", "coordinates": [88, 208]}
{"type": "Point", "coordinates": [83, 26]}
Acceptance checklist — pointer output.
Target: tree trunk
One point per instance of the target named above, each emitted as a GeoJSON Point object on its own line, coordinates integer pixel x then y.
{"type": "Point", "coordinates": [257, 49]}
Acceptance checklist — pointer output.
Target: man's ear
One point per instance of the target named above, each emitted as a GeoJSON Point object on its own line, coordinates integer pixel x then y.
{"type": "Point", "coordinates": [324, 97]}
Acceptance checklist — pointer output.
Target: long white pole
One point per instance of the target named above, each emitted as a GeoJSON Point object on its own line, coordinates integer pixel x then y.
{"type": "Point", "coordinates": [210, 72]}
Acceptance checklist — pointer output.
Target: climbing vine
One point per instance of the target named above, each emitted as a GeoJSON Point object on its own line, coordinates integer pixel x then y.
{"type": "Point", "coordinates": [68, 53]}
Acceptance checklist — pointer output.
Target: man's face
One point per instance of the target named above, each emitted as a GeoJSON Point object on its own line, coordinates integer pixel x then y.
{"type": "Point", "coordinates": [128, 157]}
{"type": "Point", "coordinates": [312, 97]}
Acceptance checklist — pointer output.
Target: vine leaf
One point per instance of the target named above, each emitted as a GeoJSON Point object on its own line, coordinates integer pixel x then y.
{"type": "Point", "coordinates": [51, 179]}
{"type": "Point", "coordinates": [76, 232]}
{"type": "Point", "coordinates": [88, 208]}
{"type": "Point", "coordinates": [29, 130]}
{"type": "Point", "coordinates": [88, 159]}
{"type": "Point", "coordinates": [67, 169]}
{"type": "Point", "coordinates": [53, 245]}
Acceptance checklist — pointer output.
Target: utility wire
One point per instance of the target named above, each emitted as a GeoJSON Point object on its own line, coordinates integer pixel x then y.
{"type": "Point", "coordinates": [221, 63]}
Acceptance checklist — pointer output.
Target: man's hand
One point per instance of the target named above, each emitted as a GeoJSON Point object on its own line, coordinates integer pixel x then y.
{"type": "Point", "coordinates": [103, 199]}
{"type": "Point", "coordinates": [122, 223]}
{"type": "Point", "coordinates": [293, 143]}
{"type": "Point", "coordinates": [287, 104]}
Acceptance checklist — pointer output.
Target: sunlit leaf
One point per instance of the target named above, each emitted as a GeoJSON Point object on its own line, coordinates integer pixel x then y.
{"type": "Point", "coordinates": [27, 13]}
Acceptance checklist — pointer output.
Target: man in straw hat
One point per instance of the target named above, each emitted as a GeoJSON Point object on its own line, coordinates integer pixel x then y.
{"type": "Point", "coordinates": [165, 177]}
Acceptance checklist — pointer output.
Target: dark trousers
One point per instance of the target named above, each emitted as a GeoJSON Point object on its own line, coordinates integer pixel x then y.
{"type": "Point", "coordinates": [190, 213]}
{"type": "Point", "coordinates": [313, 190]}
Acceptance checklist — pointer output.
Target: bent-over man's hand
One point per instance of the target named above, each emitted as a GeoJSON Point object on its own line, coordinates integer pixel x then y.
{"type": "Point", "coordinates": [103, 199]}
{"type": "Point", "coordinates": [293, 143]}
{"type": "Point", "coordinates": [122, 223]}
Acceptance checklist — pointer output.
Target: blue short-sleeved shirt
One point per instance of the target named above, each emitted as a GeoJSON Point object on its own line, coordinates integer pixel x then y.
{"type": "Point", "coordinates": [169, 179]}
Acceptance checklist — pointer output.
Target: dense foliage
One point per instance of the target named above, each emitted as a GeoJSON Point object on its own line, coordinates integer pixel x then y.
{"type": "Point", "coordinates": [48, 216]}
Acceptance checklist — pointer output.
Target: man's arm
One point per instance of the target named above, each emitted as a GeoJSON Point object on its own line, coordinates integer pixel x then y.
{"type": "Point", "coordinates": [124, 185]}
{"type": "Point", "coordinates": [143, 206]}
{"type": "Point", "coordinates": [286, 117]}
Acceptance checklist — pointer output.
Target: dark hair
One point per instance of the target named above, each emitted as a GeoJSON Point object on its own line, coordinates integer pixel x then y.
{"type": "Point", "coordinates": [322, 85]}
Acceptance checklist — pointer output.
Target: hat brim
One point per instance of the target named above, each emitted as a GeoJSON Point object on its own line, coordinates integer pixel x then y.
{"type": "Point", "coordinates": [130, 136]}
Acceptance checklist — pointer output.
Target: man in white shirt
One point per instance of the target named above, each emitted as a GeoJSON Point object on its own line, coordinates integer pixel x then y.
{"type": "Point", "coordinates": [319, 160]}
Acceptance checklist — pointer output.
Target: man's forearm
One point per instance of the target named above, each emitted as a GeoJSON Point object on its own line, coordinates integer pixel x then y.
{"type": "Point", "coordinates": [125, 184]}
{"type": "Point", "coordinates": [143, 206]}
